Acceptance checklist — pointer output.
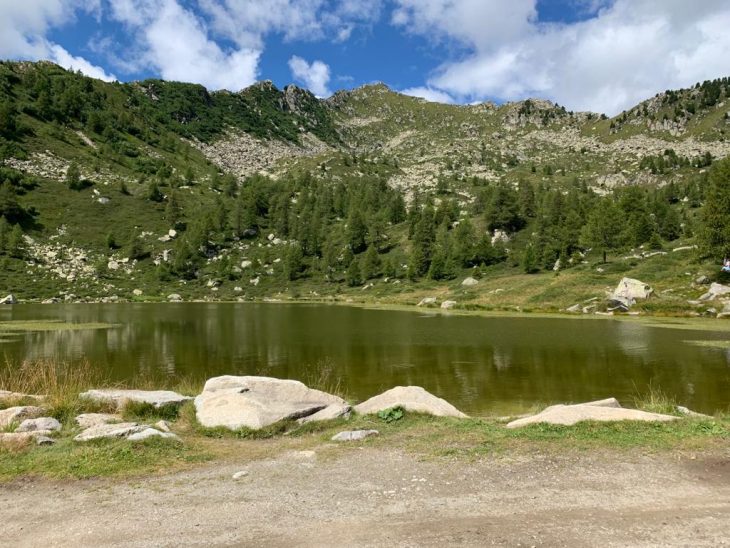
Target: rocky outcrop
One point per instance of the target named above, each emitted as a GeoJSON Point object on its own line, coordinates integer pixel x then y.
{"type": "Point", "coordinates": [410, 398]}
{"type": "Point", "coordinates": [256, 402]}
{"type": "Point", "coordinates": [157, 398]}
{"type": "Point", "coordinates": [608, 410]}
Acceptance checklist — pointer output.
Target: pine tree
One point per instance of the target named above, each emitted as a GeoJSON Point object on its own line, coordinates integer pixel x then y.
{"type": "Point", "coordinates": [73, 176]}
{"type": "Point", "coordinates": [715, 230]}
{"type": "Point", "coordinates": [353, 276]}
{"type": "Point", "coordinates": [370, 263]}
{"type": "Point", "coordinates": [604, 228]}
{"type": "Point", "coordinates": [16, 244]}
{"type": "Point", "coordinates": [529, 260]}
{"type": "Point", "coordinates": [293, 262]}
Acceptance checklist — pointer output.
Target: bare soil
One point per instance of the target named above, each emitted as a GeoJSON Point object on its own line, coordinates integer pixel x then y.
{"type": "Point", "coordinates": [371, 496]}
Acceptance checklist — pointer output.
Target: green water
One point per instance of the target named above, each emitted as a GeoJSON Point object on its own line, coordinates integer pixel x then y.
{"type": "Point", "coordinates": [483, 365]}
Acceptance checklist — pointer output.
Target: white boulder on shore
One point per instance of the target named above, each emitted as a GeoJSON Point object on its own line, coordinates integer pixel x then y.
{"type": "Point", "coordinates": [628, 291]}
{"type": "Point", "coordinates": [256, 402]}
{"type": "Point", "coordinates": [157, 398]}
{"type": "Point", "coordinates": [608, 410]}
{"type": "Point", "coordinates": [410, 398]}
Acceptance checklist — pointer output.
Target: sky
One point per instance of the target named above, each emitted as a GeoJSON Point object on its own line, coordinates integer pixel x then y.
{"type": "Point", "coordinates": [597, 55]}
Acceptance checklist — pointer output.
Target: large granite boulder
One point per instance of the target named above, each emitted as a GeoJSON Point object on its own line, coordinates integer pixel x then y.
{"type": "Point", "coordinates": [18, 414]}
{"type": "Point", "coordinates": [256, 402]}
{"type": "Point", "coordinates": [157, 398]}
{"type": "Point", "coordinates": [608, 410]}
{"type": "Point", "coordinates": [628, 291]}
{"type": "Point", "coordinates": [410, 398]}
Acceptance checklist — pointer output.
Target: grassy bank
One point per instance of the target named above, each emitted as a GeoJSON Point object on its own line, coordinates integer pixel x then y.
{"type": "Point", "coordinates": [419, 435]}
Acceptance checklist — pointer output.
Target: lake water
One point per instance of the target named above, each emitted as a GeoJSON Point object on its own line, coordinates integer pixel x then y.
{"type": "Point", "coordinates": [483, 365]}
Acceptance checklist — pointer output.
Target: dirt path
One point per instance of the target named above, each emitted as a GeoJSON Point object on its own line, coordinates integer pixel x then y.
{"type": "Point", "coordinates": [379, 497]}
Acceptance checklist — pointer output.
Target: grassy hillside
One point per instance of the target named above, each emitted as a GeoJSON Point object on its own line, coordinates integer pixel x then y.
{"type": "Point", "coordinates": [370, 195]}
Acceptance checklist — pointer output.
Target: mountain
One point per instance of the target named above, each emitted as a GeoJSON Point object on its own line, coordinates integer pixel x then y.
{"type": "Point", "coordinates": [165, 187]}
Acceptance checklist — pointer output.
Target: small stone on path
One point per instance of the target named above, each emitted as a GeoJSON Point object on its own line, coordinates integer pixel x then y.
{"type": "Point", "coordinates": [354, 435]}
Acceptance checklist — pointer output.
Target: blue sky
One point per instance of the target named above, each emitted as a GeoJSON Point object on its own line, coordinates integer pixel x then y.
{"type": "Point", "coordinates": [601, 55]}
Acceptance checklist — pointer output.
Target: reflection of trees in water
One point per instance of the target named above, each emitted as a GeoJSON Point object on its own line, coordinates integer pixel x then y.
{"type": "Point", "coordinates": [476, 363]}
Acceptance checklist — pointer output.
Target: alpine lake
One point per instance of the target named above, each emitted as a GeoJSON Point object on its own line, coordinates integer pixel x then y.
{"type": "Point", "coordinates": [483, 364]}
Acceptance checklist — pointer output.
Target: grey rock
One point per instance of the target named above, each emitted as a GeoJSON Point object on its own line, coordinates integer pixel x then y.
{"type": "Point", "coordinates": [469, 282]}
{"type": "Point", "coordinates": [157, 398]}
{"type": "Point", "coordinates": [163, 426]}
{"type": "Point", "coordinates": [148, 433]}
{"type": "Point", "coordinates": [427, 301]}
{"type": "Point", "coordinates": [603, 411]}
{"type": "Point", "coordinates": [715, 290]}
{"type": "Point", "coordinates": [44, 440]}
{"type": "Point", "coordinates": [682, 410]}
{"type": "Point", "coordinates": [110, 431]}
{"type": "Point", "coordinates": [446, 305]}
{"type": "Point", "coordinates": [702, 280]}
{"type": "Point", "coordinates": [19, 414]}
{"type": "Point", "coordinates": [42, 423]}
{"type": "Point", "coordinates": [354, 435]}
{"type": "Point", "coordinates": [87, 420]}
{"type": "Point", "coordinates": [256, 402]}
{"type": "Point", "coordinates": [410, 398]}
{"type": "Point", "coordinates": [574, 309]}
{"type": "Point", "coordinates": [240, 474]}
{"type": "Point", "coordinates": [10, 299]}
{"type": "Point", "coordinates": [331, 412]}
{"type": "Point", "coordinates": [627, 292]}
{"type": "Point", "coordinates": [174, 298]}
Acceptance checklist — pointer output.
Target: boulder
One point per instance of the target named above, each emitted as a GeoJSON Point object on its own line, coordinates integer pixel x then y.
{"type": "Point", "coordinates": [87, 420]}
{"type": "Point", "coordinates": [427, 301]}
{"type": "Point", "coordinates": [256, 402]}
{"type": "Point", "coordinates": [608, 410]}
{"type": "Point", "coordinates": [157, 398]}
{"type": "Point", "coordinates": [18, 414]}
{"type": "Point", "coordinates": [354, 435]}
{"type": "Point", "coordinates": [109, 431]}
{"type": "Point", "coordinates": [148, 433]}
{"type": "Point", "coordinates": [44, 440]}
{"type": "Point", "coordinates": [629, 290]}
{"type": "Point", "coordinates": [702, 280]}
{"type": "Point", "coordinates": [446, 305]}
{"type": "Point", "coordinates": [331, 412]}
{"type": "Point", "coordinates": [174, 298]}
{"type": "Point", "coordinates": [576, 308]}
{"type": "Point", "coordinates": [10, 299]}
{"type": "Point", "coordinates": [468, 282]}
{"type": "Point", "coordinates": [410, 398]}
{"type": "Point", "coordinates": [6, 396]}
{"type": "Point", "coordinates": [43, 423]}
{"type": "Point", "coordinates": [715, 290]}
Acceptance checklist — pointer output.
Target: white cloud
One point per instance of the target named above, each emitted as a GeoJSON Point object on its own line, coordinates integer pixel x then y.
{"type": "Point", "coordinates": [429, 94]}
{"type": "Point", "coordinates": [71, 62]}
{"type": "Point", "coordinates": [314, 75]}
{"type": "Point", "coordinates": [23, 29]}
{"type": "Point", "coordinates": [247, 22]}
{"type": "Point", "coordinates": [175, 42]}
{"type": "Point", "coordinates": [627, 52]}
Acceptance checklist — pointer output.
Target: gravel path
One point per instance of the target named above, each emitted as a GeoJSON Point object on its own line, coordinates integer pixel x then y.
{"type": "Point", "coordinates": [380, 497]}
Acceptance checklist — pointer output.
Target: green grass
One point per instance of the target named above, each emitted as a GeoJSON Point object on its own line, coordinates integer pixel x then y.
{"type": "Point", "coordinates": [72, 460]}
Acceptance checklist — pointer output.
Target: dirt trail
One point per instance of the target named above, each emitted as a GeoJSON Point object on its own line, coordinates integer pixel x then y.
{"type": "Point", "coordinates": [381, 497]}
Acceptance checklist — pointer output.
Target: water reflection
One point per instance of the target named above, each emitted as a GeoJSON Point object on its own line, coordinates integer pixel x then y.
{"type": "Point", "coordinates": [480, 364]}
